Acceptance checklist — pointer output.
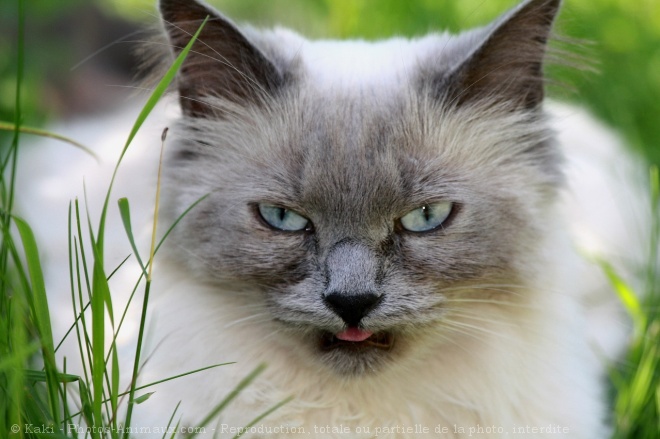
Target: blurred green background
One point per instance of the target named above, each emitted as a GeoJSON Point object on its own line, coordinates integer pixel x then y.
{"type": "Point", "coordinates": [620, 39]}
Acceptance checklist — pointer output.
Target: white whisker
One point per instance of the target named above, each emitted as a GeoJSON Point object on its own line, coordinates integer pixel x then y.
{"type": "Point", "coordinates": [249, 318]}
{"type": "Point", "coordinates": [475, 328]}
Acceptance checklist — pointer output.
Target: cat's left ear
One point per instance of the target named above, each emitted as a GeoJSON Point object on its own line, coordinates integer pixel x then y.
{"type": "Point", "coordinates": [506, 62]}
{"type": "Point", "coordinates": [223, 62]}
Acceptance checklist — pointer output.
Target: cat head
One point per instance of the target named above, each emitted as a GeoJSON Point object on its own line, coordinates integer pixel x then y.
{"type": "Point", "coordinates": [362, 191]}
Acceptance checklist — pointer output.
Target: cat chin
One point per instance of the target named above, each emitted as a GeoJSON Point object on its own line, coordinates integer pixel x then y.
{"type": "Point", "coordinates": [357, 358]}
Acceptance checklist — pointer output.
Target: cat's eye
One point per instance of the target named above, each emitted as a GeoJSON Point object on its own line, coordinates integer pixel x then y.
{"type": "Point", "coordinates": [281, 218]}
{"type": "Point", "coordinates": [428, 217]}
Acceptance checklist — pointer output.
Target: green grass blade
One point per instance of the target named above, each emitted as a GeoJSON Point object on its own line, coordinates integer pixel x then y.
{"type": "Point", "coordinates": [152, 249]}
{"type": "Point", "coordinates": [627, 296]}
{"type": "Point", "coordinates": [19, 355]}
{"type": "Point", "coordinates": [657, 407]}
{"type": "Point", "coordinates": [142, 398]}
{"type": "Point", "coordinates": [169, 423]}
{"type": "Point", "coordinates": [136, 362]}
{"type": "Point", "coordinates": [229, 398]}
{"type": "Point", "coordinates": [86, 403]}
{"type": "Point", "coordinates": [12, 394]}
{"type": "Point", "coordinates": [635, 401]}
{"type": "Point", "coordinates": [637, 407]}
{"type": "Point", "coordinates": [40, 312]}
{"type": "Point", "coordinates": [63, 392]}
{"type": "Point", "coordinates": [177, 221]}
{"type": "Point", "coordinates": [12, 155]}
{"type": "Point", "coordinates": [16, 311]}
{"type": "Point", "coordinates": [97, 251]}
{"type": "Point", "coordinates": [158, 92]}
{"type": "Point", "coordinates": [13, 310]}
{"type": "Point", "coordinates": [641, 383]}
{"type": "Point", "coordinates": [42, 316]}
{"type": "Point", "coordinates": [83, 256]}
{"type": "Point", "coordinates": [125, 212]}
{"type": "Point", "coordinates": [121, 264]}
{"type": "Point", "coordinates": [72, 327]}
{"type": "Point", "coordinates": [144, 386]}
{"type": "Point", "coordinates": [653, 272]}
{"type": "Point", "coordinates": [100, 296]}
{"type": "Point", "coordinates": [114, 390]}
{"type": "Point", "coordinates": [84, 343]}
{"type": "Point", "coordinates": [178, 425]}
{"type": "Point", "coordinates": [41, 376]}
{"type": "Point", "coordinates": [8, 126]}
{"type": "Point", "coordinates": [158, 246]}
{"type": "Point", "coordinates": [161, 88]}
{"type": "Point", "coordinates": [99, 291]}
{"type": "Point", "coordinates": [100, 302]}
{"type": "Point", "coordinates": [262, 416]}
{"type": "Point", "coordinates": [164, 380]}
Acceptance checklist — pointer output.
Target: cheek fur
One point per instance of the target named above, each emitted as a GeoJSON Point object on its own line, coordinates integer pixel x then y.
{"type": "Point", "coordinates": [236, 247]}
{"type": "Point", "coordinates": [476, 246]}
{"type": "Point", "coordinates": [276, 261]}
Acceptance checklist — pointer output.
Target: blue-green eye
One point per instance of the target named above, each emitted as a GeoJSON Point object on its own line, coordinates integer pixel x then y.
{"type": "Point", "coordinates": [282, 219]}
{"type": "Point", "coordinates": [427, 217]}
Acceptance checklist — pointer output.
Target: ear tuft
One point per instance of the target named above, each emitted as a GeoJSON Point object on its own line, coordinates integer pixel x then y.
{"type": "Point", "coordinates": [223, 63]}
{"type": "Point", "coordinates": [507, 64]}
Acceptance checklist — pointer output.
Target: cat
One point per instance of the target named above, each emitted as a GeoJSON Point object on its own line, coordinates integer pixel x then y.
{"type": "Point", "coordinates": [393, 227]}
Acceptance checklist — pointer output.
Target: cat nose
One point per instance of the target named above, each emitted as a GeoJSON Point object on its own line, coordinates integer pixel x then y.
{"type": "Point", "coordinates": [352, 307]}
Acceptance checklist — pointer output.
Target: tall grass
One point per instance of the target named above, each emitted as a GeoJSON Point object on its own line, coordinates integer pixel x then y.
{"type": "Point", "coordinates": [637, 381]}
{"type": "Point", "coordinates": [37, 397]}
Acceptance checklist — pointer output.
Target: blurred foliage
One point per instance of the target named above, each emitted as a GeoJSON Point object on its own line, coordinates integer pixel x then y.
{"type": "Point", "coordinates": [58, 35]}
{"type": "Point", "coordinates": [620, 38]}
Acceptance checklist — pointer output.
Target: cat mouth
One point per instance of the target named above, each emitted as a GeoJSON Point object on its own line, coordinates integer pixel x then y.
{"type": "Point", "coordinates": [354, 339]}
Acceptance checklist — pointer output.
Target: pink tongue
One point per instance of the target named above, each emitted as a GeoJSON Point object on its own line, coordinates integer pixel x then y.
{"type": "Point", "coordinates": [354, 334]}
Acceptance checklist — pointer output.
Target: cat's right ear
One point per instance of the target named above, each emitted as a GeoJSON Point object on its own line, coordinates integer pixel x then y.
{"type": "Point", "coordinates": [222, 63]}
{"type": "Point", "coordinates": [502, 62]}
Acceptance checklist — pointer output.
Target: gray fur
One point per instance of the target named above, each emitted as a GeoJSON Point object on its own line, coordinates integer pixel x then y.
{"type": "Point", "coordinates": [354, 163]}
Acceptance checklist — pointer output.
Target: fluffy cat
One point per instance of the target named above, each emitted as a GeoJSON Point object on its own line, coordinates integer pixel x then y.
{"type": "Point", "coordinates": [393, 227]}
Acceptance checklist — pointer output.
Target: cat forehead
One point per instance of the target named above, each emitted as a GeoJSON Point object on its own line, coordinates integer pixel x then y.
{"type": "Point", "coordinates": [354, 64]}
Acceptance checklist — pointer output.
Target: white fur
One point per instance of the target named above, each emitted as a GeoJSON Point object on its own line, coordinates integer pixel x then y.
{"type": "Point", "coordinates": [471, 383]}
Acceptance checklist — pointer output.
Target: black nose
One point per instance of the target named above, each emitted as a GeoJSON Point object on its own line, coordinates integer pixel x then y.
{"type": "Point", "coordinates": [352, 307]}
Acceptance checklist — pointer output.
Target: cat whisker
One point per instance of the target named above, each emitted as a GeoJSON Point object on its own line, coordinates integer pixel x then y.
{"type": "Point", "coordinates": [501, 288]}
{"type": "Point", "coordinates": [492, 302]}
{"type": "Point", "coordinates": [248, 319]}
{"type": "Point", "coordinates": [466, 328]}
{"type": "Point", "coordinates": [108, 46]}
{"type": "Point", "coordinates": [479, 318]}
{"type": "Point", "coordinates": [504, 288]}
{"type": "Point", "coordinates": [452, 340]}
{"type": "Point", "coordinates": [474, 316]}
{"type": "Point", "coordinates": [476, 333]}
{"type": "Point", "coordinates": [272, 334]}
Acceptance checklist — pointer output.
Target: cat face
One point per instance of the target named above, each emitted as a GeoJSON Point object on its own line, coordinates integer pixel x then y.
{"type": "Point", "coordinates": [361, 203]}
